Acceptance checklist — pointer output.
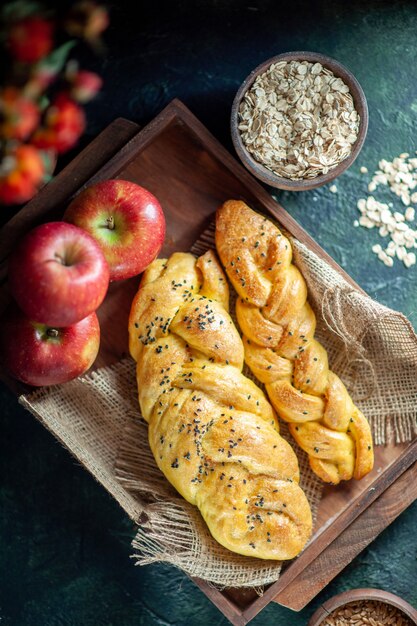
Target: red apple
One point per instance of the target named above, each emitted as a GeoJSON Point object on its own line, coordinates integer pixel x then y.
{"type": "Point", "coordinates": [58, 274]}
{"type": "Point", "coordinates": [39, 355]}
{"type": "Point", "coordinates": [126, 220]}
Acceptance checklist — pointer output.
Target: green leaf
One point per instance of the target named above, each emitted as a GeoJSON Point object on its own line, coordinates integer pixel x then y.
{"type": "Point", "coordinates": [55, 61]}
{"type": "Point", "coordinates": [49, 158]}
{"type": "Point", "coordinates": [44, 102]}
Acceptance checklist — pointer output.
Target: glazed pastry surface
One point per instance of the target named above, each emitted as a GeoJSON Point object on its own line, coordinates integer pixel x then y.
{"type": "Point", "coordinates": [278, 327]}
{"type": "Point", "coordinates": [212, 431]}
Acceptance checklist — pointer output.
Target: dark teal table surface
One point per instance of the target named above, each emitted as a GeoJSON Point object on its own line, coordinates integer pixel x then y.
{"type": "Point", "coordinates": [64, 543]}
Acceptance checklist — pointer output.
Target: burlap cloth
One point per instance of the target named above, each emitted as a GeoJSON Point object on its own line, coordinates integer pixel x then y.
{"type": "Point", "coordinates": [372, 348]}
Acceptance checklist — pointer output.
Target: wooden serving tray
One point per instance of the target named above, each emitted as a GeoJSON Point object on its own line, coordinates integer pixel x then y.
{"type": "Point", "coordinates": [190, 172]}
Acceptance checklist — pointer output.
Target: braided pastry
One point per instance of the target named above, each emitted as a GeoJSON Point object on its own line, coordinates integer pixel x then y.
{"type": "Point", "coordinates": [211, 430]}
{"type": "Point", "coordinates": [278, 325]}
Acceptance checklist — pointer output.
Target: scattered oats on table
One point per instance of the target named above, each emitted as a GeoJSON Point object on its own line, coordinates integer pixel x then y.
{"type": "Point", "coordinates": [298, 119]}
{"type": "Point", "coordinates": [400, 176]}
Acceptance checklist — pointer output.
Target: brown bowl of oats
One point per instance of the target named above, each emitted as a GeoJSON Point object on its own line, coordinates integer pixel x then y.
{"type": "Point", "coordinates": [365, 607]}
{"type": "Point", "coordinates": [299, 120]}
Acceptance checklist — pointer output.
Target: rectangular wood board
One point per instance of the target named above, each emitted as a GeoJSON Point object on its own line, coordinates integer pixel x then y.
{"type": "Point", "coordinates": [191, 173]}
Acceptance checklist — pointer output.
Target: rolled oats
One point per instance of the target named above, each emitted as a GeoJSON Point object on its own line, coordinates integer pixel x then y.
{"type": "Point", "coordinates": [400, 176]}
{"type": "Point", "coordinates": [376, 214]}
{"type": "Point", "coordinates": [366, 613]}
{"type": "Point", "coordinates": [298, 120]}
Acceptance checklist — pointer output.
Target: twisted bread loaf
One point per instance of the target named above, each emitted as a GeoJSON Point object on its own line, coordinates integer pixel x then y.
{"type": "Point", "coordinates": [278, 325]}
{"type": "Point", "coordinates": [211, 430]}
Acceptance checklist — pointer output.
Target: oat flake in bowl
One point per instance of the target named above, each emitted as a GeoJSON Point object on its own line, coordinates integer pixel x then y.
{"type": "Point", "coordinates": [298, 119]}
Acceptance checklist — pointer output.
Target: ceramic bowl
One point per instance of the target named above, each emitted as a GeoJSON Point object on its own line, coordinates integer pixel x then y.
{"type": "Point", "coordinates": [354, 595]}
{"type": "Point", "coordinates": [266, 175]}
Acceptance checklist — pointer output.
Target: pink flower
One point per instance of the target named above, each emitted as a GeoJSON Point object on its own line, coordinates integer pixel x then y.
{"type": "Point", "coordinates": [85, 86]}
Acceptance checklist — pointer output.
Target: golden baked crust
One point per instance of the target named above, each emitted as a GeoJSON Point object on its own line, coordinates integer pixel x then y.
{"type": "Point", "coordinates": [212, 431]}
{"type": "Point", "coordinates": [278, 325]}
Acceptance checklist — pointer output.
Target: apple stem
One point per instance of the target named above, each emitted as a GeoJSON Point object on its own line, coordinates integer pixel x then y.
{"type": "Point", "coordinates": [110, 222]}
{"type": "Point", "coordinates": [52, 332]}
{"type": "Point", "coordinates": [60, 259]}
